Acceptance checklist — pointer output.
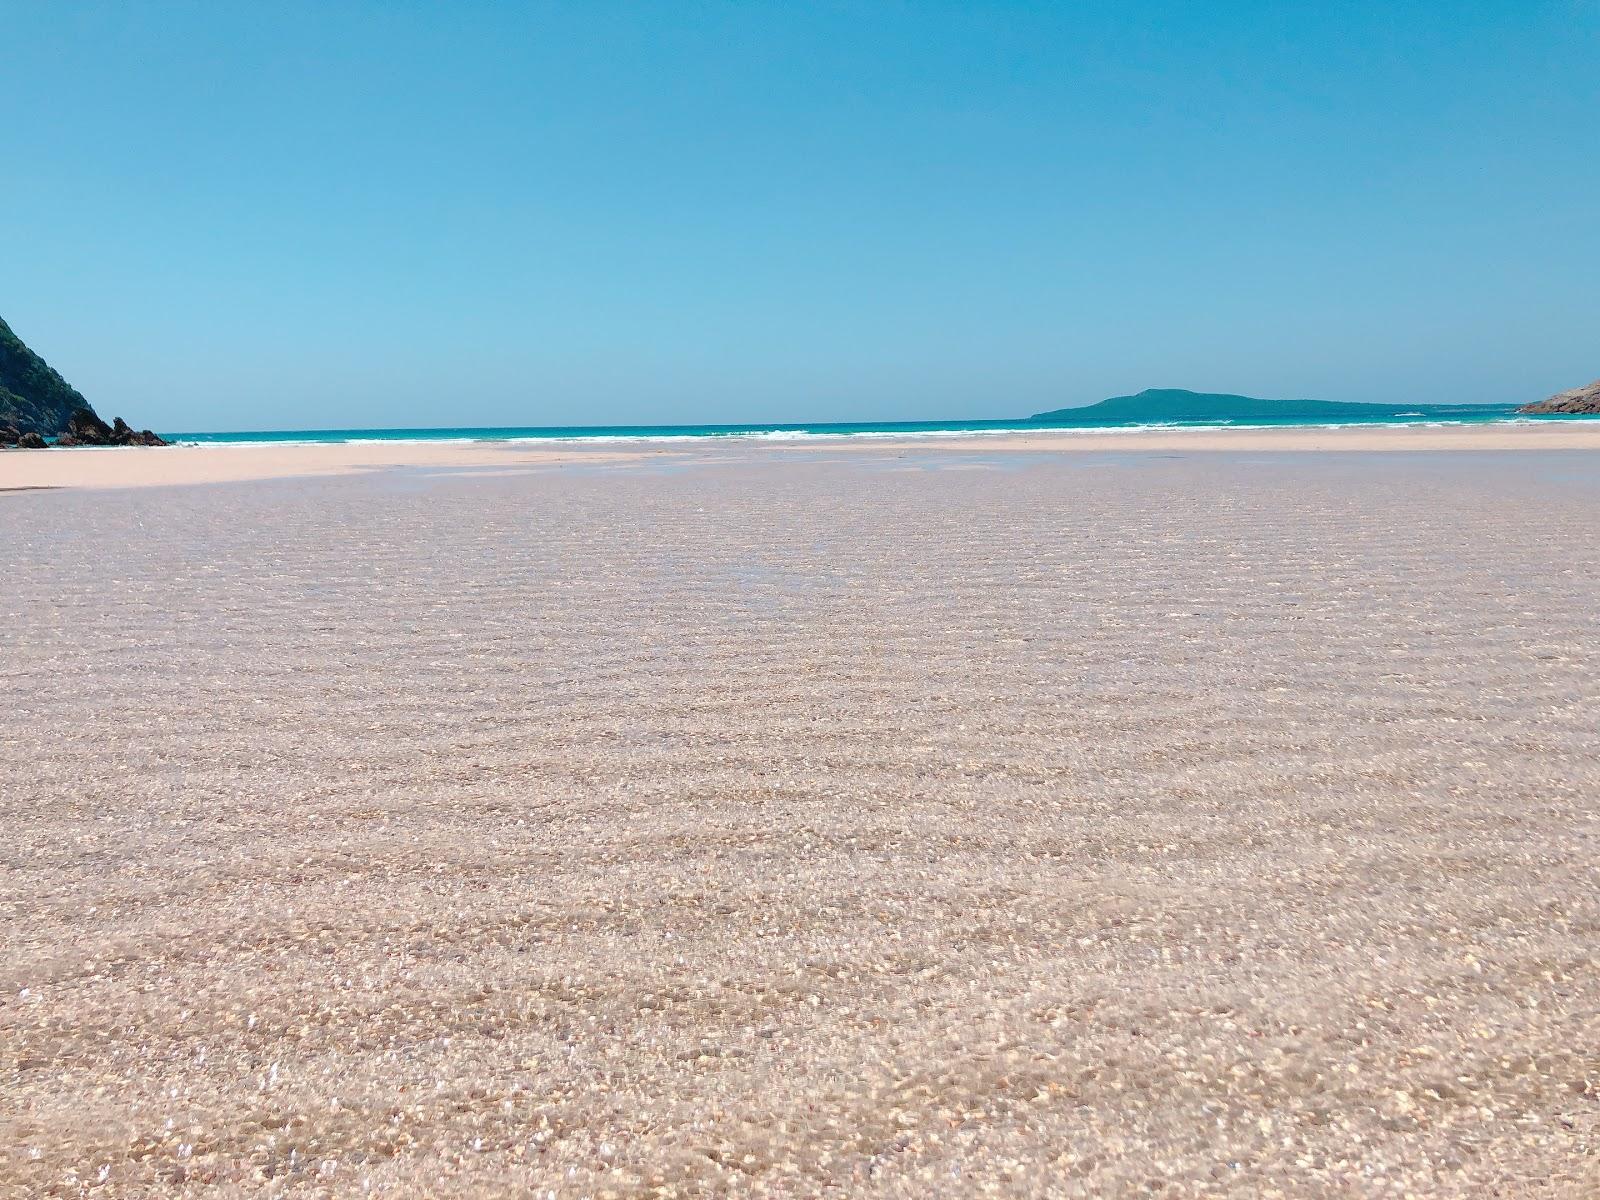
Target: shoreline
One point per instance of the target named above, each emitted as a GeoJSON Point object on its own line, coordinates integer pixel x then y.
{"type": "Point", "coordinates": [179, 465]}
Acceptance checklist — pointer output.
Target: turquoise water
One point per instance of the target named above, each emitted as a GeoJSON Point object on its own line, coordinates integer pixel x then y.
{"type": "Point", "coordinates": [1398, 415]}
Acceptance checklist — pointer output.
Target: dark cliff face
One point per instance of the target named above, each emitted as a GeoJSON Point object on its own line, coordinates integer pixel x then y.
{"type": "Point", "coordinates": [33, 397]}
{"type": "Point", "coordinates": [36, 403]}
{"type": "Point", "coordinates": [1579, 401]}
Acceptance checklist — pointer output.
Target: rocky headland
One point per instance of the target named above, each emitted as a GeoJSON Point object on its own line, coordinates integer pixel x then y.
{"type": "Point", "coordinates": [1578, 401]}
{"type": "Point", "coordinates": [39, 408]}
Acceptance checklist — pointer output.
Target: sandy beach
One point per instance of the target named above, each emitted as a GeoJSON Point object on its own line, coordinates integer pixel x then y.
{"type": "Point", "coordinates": [1146, 814]}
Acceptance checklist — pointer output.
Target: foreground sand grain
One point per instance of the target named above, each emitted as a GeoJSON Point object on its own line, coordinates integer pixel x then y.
{"type": "Point", "coordinates": [808, 824]}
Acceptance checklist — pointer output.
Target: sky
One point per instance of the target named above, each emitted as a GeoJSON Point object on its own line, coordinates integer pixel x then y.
{"type": "Point", "coordinates": [342, 214]}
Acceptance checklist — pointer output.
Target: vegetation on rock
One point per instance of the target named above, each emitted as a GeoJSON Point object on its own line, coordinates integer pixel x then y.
{"type": "Point", "coordinates": [36, 403]}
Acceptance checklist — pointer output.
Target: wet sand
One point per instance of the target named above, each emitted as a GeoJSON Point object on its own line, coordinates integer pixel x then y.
{"type": "Point", "coordinates": [141, 467]}
{"type": "Point", "coordinates": [899, 821]}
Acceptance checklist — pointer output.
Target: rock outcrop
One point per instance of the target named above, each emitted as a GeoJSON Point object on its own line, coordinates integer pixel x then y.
{"type": "Point", "coordinates": [36, 403]}
{"type": "Point", "coordinates": [1577, 402]}
{"type": "Point", "coordinates": [84, 428]}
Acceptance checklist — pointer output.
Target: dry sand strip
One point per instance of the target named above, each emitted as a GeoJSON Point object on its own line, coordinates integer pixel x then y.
{"type": "Point", "coordinates": [138, 467]}
{"type": "Point", "coordinates": [125, 466]}
{"type": "Point", "coordinates": [850, 826]}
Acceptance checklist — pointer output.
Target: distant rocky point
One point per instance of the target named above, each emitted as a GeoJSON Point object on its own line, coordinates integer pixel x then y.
{"type": "Point", "coordinates": [1578, 401]}
{"type": "Point", "coordinates": [37, 404]}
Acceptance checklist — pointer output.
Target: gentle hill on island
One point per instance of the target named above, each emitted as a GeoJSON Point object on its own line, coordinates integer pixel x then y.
{"type": "Point", "coordinates": [1177, 404]}
{"type": "Point", "coordinates": [36, 403]}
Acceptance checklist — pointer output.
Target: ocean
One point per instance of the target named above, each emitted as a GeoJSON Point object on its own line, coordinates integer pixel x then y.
{"type": "Point", "coordinates": [803, 431]}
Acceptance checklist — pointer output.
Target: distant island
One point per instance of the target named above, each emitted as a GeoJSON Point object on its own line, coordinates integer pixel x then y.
{"type": "Point", "coordinates": [1581, 401]}
{"type": "Point", "coordinates": [1177, 404]}
{"type": "Point", "coordinates": [37, 404]}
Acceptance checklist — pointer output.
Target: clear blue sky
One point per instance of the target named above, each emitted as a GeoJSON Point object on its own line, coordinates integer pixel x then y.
{"type": "Point", "coordinates": [222, 216]}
